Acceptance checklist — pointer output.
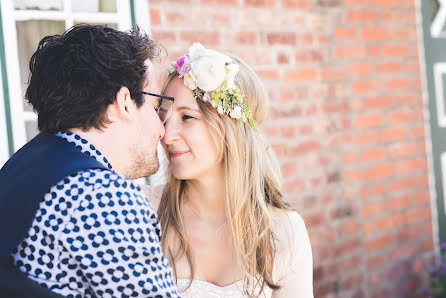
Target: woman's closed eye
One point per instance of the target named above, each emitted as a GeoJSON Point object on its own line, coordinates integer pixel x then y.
{"type": "Point", "coordinates": [187, 117]}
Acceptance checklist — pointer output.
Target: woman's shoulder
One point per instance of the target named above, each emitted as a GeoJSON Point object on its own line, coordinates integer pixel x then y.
{"type": "Point", "coordinates": [154, 193]}
{"type": "Point", "coordinates": [289, 231]}
{"type": "Point", "coordinates": [287, 221]}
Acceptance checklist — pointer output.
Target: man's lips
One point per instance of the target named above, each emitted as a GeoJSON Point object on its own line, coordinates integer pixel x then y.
{"type": "Point", "coordinates": [175, 154]}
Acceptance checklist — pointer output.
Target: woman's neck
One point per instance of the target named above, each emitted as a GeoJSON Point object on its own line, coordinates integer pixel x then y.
{"type": "Point", "coordinates": [207, 196]}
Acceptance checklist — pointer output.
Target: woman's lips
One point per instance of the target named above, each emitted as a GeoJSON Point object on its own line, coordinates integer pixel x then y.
{"type": "Point", "coordinates": [177, 154]}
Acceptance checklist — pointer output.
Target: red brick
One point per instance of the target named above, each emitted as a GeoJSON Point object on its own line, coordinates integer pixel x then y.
{"type": "Point", "coordinates": [396, 50]}
{"type": "Point", "coordinates": [409, 99]}
{"type": "Point", "coordinates": [408, 34]}
{"type": "Point", "coordinates": [393, 221]}
{"type": "Point", "coordinates": [165, 37]}
{"type": "Point", "coordinates": [206, 38]}
{"type": "Point", "coordinates": [368, 227]}
{"type": "Point", "coordinates": [403, 149]}
{"type": "Point", "coordinates": [418, 214]}
{"type": "Point", "coordinates": [411, 165]}
{"type": "Point", "coordinates": [377, 261]}
{"type": "Point", "coordinates": [397, 203]}
{"type": "Point", "coordinates": [374, 154]}
{"type": "Point", "coordinates": [345, 33]}
{"type": "Point", "coordinates": [381, 171]}
{"type": "Point", "coordinates": [283, 58]}
{"type": "Point", "coordinates": [378, 102]}
{"type": "Point", "coordinates": [268, 74]}
{"type": "Point", "coordinates": [402, 83]}
{"type": "Point", "coordinates": [376, 33]}
{"type": "Point", "coordinates": [364, 86]}
{"type": "Point", "coordinates": [393, 134]}
{"type": "Point", "coordinates": [349, 227]}
{"type": "Point", "coordinates": [366, 138]}
{"type": "Point", "coordinates": [404, 252]}
{"type": "Point", "coordinates": [389, 67]}
{"type": "Point", "coordinates": [281, 38]}
{"type": "Point", "coordinates": [371, 209]}
{"type": "Point", "coordinates": [306, 56]}
{"type": "Point", "coordinates": [422, 196]}
{"type": "Point", "coordinates": [350, 51]}
{"type": "Point", "coordinates": [289, 169]}
{"type": "Point", "coordinates": [378, 243]}
{"type": "Point", "coordinates": [246, 38]}
{"type": "Point", "coordinates": [401, 183]}
{"type": "Point", "coordinates": [314, 219]}
{"type": "Point", "coordinates": [346, 247]}
{"type": "Point", "coordinates": [220, 2]}
{"type": "Point", "coordinates": [349, 158]}
{"type": "Point", "coordinates": [385, 3]}
{"type": "Point", "coordinates": [307, 147]}
{"type": "Point", "coordinates": [299, 4]}
{"type": "Point", "coordinates": [335, 107]}
{"type": "Point", "coordinates": [404, 116]}
{"type": "Point", "coordinates": [368, 120]}
{"type": "Point", "coordinates": [295, 185]}
{"type": "Point", "coordinates": [334, 73]}
{"type": "Point", "coordinates": [155, 16]}
{"type": "Point", "coordinates": [300, 75]}
{"type": "Point", "coordinates": [361, 16]}
{"type": "Point", "coordinates": [259, 3]}
{"type": "Point", "coordinates": [374, 50]}
{"type": "Point", "coordinates": [362, 68]}
{"type": "Point", "coordinates": [355, 2]}
{"type": "Point", "coordinates": [354, 175]}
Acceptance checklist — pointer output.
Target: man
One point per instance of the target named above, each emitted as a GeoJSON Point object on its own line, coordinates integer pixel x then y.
{"type": "Point", "coordinates": [70, 217]}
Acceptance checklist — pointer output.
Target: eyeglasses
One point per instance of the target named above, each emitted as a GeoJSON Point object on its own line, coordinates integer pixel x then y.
{"type": "Point", "coordinates": [164, 107]}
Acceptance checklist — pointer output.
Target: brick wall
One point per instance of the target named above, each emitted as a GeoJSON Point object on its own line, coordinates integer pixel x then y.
{"type": "Point", "coordinates": [346, 122]}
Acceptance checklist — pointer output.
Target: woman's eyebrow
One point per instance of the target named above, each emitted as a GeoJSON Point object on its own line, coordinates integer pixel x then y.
{"type": "Point", "coordinates": [187, 108]}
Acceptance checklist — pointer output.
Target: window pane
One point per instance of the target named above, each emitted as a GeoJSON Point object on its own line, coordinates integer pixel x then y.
{"type": "Point", "coordinates": [38, 5]}
{"type": "Point", "coordinates": [29, 33]}
{"type": "Point", "coordinates": [94, 6]}
{"type": "Point", "coordinates": [114, 26]}
{"type": "Point", "coordinates": [31, 129]}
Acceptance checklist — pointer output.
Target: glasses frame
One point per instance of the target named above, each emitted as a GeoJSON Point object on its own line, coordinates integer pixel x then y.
{"type": "Point", "coordinates": [169, 111]}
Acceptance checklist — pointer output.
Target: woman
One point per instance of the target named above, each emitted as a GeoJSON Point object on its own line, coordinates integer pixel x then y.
{"type": "Point", "coordinates": [226, 229]}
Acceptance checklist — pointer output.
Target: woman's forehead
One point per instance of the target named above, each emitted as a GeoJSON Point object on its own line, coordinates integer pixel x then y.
{"type": "Point", "coordinates": [183, 95]}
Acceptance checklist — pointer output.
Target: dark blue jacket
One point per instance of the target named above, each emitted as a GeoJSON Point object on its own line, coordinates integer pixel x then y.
{"type": "Point", "coordinates": [24, 180]}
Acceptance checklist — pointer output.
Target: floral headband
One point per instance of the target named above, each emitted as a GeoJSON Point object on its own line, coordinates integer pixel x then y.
{"type": "Point", "coordinates": [210, 75]}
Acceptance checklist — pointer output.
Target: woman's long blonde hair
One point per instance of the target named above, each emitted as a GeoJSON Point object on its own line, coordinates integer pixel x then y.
{"type": "Point", "coordinates": [253, 185]}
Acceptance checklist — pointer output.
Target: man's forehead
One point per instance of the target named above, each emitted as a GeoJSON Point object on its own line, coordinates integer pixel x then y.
{"type": "Point", "coordinates": [153, 74]}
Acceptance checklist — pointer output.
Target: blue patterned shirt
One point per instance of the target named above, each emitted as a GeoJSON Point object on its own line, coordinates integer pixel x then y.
{"type": "Point", "coordinates": [96, 235]}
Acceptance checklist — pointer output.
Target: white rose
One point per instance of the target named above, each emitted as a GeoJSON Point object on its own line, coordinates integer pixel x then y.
{"type": "Point", "coordinates": [214, 104]}
{"type": "Point", "coordinates": [220, 110]}
{"type": "Point", "coordinates": [236, 112]}
{"type": "Point", "coordinates": [233, 70]}
{"type": "Point", "coordinates": [189, 81]}
{"type": "Point", "coordinates": [209, 71]}
{"type": "Point", "coordinates": [196, 50]}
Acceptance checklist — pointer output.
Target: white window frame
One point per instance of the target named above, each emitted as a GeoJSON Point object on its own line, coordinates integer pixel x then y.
{"type": "Point", "coordinates": [122, 17]}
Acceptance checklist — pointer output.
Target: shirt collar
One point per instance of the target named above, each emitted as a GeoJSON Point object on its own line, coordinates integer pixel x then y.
{"type": "Point", "coordinates": [85, 146]}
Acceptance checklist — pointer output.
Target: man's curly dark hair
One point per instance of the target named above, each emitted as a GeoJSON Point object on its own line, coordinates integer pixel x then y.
{"type": "Point", "coordinates": [75, 76]}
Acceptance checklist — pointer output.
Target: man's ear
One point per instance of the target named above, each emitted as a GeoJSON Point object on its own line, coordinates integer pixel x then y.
{"type": "Point", "coordinates": [124, 105]}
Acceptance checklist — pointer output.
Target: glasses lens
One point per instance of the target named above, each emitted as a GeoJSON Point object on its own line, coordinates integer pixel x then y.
{"type": "Point", "coordinates": [164, 109]}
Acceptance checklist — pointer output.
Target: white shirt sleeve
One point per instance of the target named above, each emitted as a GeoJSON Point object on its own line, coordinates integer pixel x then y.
{"type": "Point", "coordinates": [294, 259]}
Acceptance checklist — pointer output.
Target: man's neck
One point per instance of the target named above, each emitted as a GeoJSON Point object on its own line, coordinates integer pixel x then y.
{"type": "Point", "coordinates": [107, 144]}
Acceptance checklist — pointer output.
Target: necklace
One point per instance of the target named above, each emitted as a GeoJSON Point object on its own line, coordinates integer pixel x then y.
{"type": "Point", "coordinates": [216, 232]}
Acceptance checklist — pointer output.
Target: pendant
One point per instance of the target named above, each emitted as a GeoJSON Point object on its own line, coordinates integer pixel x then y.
{"type": "Point", "coordinates": [217, 234]}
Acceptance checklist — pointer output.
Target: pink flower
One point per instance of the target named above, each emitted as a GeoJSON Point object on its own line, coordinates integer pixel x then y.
{"type": "Point", "coordinates": [183, 65]}
{"type": "Point", "coordinates": [206, 97]}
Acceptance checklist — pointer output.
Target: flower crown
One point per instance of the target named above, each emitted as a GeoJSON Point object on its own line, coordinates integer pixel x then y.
{"type": "Point", "coordinates": [210, 75]}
